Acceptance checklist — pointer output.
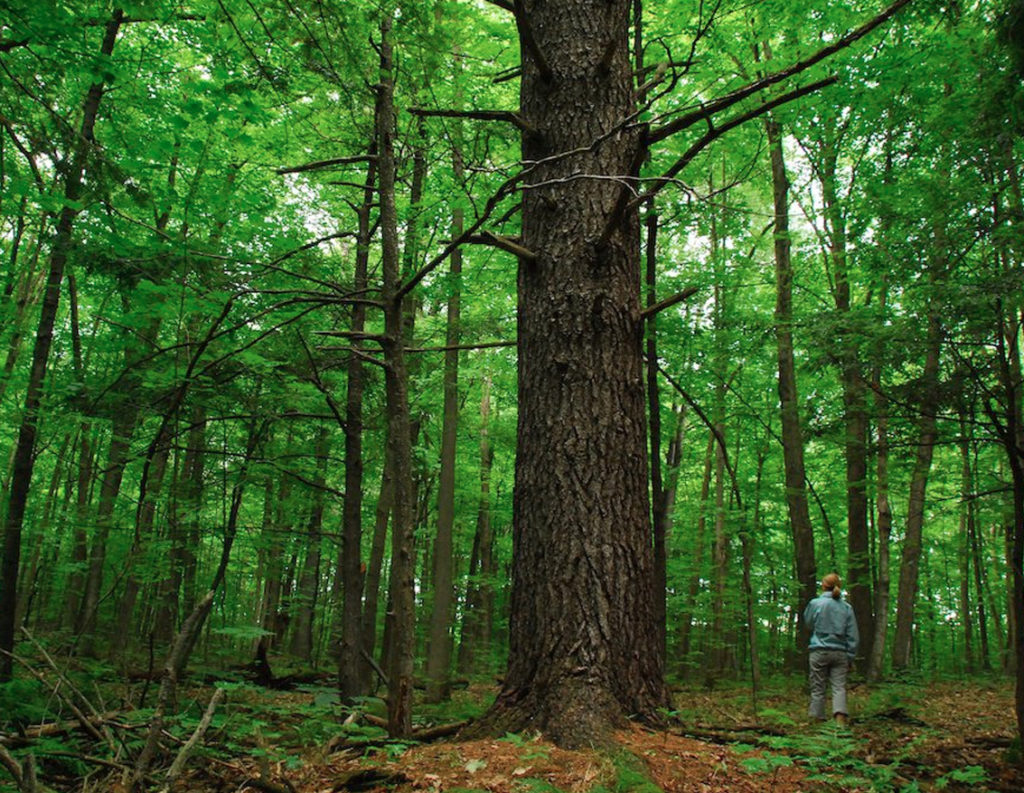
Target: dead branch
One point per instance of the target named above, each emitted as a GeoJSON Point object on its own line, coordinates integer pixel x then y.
{"type": "Point", "coordinates": [716, 131]}
{"type": "Point", "coordinates": [508, 74]}
{"type": "Point", "coordinates": [668, 302]}
{"type": "Point", "coordinates": [369, 779]}
{"type": "Point", "coordinates": [351, 334]}
{"type": "Point", "coordinates": [429, 734]}
{"type": "Point", "coordinates": [179, 762]}
{"type": "Point", "coordinates": [504, 243]}
{"type": "Point", "coordinates": [711, 108]}
{"type": "Point", "coordinates": [725, 737]}
{"type": "Point", "coordinates": [496, 198]}
{"type": "Point", "coordinates": [508, 116]}
{"type": "Point", "coordinates": [321, 164]}
{"type": "Point", "coordinates": [13, 767]}
{"type": "Point", "coordinates": [55, 728]}
{"type": "Point", "coordinates": [267, 786]}
{"type": "Point", "coordinates": [10, 44]}
{"type": "Point", "coordinates": [63, 679]}
{"type": "Point", "coordinates": [175, 662]}
{"type": "Point", "coordinates": [84, 720]}
{"type": "Point", "coordinates": [529, 42]}
{"type": "Point", "coordinates": [487, 345]}
{"type": "Point", "coordinates": [376, 721]}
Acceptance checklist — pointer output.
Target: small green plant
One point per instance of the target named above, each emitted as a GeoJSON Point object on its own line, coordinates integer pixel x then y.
{"type": "Point", "coordinates": [777, 718]}
{"type": "Point", "coordinates": [630, 776]}
{"type": "Point", "coordinates": [973, 775]}
{"type": "Point", "coordinates": [765, 763]}
{"type": "Point", "coordinates": [541, 786]}
{"type": "Point", "coordinates": [23, 702]}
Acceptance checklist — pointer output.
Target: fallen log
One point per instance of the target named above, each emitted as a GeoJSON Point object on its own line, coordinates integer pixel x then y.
{"type": "Point", "coordinates": [49, 729]}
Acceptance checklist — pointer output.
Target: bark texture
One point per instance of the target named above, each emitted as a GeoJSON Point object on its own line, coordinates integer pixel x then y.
{"type": "Point", "coordinates": [583, 640]}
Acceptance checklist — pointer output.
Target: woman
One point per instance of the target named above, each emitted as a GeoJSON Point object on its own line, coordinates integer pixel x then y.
{"type": "Point", "coordinates": [833, 647]}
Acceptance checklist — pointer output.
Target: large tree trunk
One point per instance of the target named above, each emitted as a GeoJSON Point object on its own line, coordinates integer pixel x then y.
{"type": "Point", "coordinates": [789, 403]}
{"type": "Point", "coordinates": [24, 451]}
{"type": "Point", "coordinates": [584, 646]}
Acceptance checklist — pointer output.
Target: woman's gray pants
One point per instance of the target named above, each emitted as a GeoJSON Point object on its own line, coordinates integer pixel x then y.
{"type": "Point", "coordinates": [831, 665]}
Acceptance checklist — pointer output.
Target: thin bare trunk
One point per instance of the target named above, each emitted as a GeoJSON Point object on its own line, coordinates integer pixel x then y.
{"type": "Point", "coordinates": [356, 635]}
{"type": "Point", "coordinates": [439, 652]}
{"type": "Point", "coordinates": [478, 614]}
{"type": "Point", "coordinates": [400, 589]}
{"type": "Point", "coordinates": [789, 403]}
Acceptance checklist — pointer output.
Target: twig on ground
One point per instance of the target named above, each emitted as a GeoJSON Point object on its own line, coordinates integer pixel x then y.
{"type": "Point", "coordinates": [179, 762]}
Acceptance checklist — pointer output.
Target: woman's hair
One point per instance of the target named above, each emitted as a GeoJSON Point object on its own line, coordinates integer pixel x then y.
{"type": "Point", "coordinates": [832, 582]}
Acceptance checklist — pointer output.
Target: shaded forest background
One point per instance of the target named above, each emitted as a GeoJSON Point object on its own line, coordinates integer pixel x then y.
{"type": "Point", "coordinates": [196, 220]}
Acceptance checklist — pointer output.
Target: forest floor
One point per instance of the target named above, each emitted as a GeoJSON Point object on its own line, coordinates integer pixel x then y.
{"type": "Point", "coordinates": [911, 736]}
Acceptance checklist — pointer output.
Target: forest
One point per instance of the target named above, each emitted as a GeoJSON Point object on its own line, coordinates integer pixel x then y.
{"type": "Point", "coordinates": [389, 387]}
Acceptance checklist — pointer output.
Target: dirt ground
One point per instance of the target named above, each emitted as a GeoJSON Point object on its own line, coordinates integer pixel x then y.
{"type": "Point", "coordinates": [951, 736]}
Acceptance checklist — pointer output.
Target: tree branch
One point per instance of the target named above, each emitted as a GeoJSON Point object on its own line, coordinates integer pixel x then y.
{"type": "Point", "coordinates": [509, 116]}
{"type": "Point", "coordinates": [715, 132]}
{"type": "Point", "coordinates": [505, 243]}
{"type": "Point", "coordinates": [179, 762]}
{"type": "Point", "coordinates": [487, 345]}
{"type": "Point", "coordinates": [496, 198]}
{"type": "Point", "coordinates": [321, 164]}
{"type": "Point", "coordinates": [717, 105]}
{"type": "Point", "coordinates": [668, 302]}
{"type": "Point", "coordinates": [352, 334]}
{"type": "Point", "coordinates": [530, 43]}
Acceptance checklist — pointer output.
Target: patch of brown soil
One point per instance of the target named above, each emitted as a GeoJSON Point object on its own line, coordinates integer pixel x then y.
{"type": "Point", "coordinates": [674, 763]}
{"type": "Point", "coordinates": [683, 765]}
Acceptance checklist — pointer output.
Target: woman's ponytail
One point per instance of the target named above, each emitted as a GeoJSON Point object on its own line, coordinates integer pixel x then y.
{"type": "Point", "coordinates": [832, 583]}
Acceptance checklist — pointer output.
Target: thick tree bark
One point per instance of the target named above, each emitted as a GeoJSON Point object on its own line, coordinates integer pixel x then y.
{"type": "Point", "coordinates": [24, 460]}
{"type": "Point", "coordinates": [789, 403]}
{"type": "Point", "coordinates": [584, 648]}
